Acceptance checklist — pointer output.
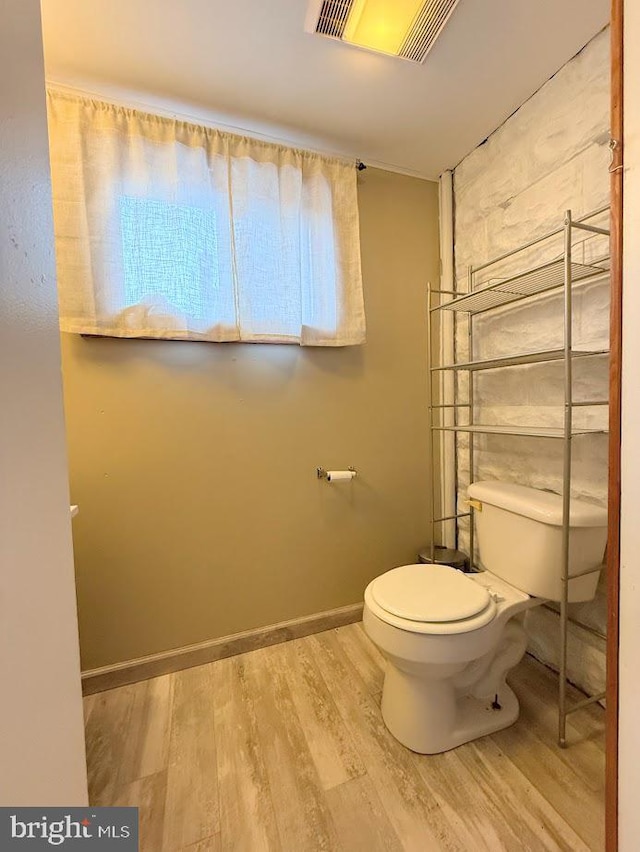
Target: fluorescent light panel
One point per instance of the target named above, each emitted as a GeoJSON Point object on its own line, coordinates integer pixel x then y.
{"type": "Point", "coordinates": [381, 24]}
{"type": "Point", "coordinates": [406, 28]}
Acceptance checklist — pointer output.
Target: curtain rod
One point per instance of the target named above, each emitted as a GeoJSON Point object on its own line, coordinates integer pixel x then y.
{"type": "Point", "coordinates": [167, 112]}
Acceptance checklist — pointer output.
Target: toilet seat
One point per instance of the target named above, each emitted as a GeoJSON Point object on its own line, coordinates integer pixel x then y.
{"type": "Point", "coordinates": [430, 599]}
{"type": "Point", "coordinates": [429, 593]}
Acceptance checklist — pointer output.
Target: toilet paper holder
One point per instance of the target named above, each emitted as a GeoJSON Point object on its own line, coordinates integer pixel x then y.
{"type": "Point", "coordinates": [324, 474]}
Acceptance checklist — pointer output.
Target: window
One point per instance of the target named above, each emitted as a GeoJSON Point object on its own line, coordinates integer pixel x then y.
{"type": "Point", "coordinates": [170, 250]}
{"type": "Point", "coordinates": [169, 230]}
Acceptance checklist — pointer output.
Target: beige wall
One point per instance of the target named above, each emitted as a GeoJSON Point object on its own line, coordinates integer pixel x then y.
{"type": "Point", "coordinates": [42, 758]}
{"type": "Point", "coordinates": [194, 463]}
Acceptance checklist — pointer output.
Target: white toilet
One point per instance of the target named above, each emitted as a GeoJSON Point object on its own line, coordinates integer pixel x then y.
{"type": "Point", "coordinates": [451, 638]}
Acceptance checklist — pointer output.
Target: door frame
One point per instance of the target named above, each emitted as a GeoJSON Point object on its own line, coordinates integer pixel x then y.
{"type": "Point", "coordinates": [615, 384]}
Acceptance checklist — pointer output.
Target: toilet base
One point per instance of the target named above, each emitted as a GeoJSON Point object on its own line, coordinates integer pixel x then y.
{"type": "Point", "coordinates": [429, 718]}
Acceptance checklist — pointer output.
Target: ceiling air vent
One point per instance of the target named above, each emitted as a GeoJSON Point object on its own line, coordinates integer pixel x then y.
{"type": "Point", "coordinates": [426, 28]}
{"type": "Point", "coordinates": [333, 17]}
{"type": "Point", "coordinates": [405, 28]}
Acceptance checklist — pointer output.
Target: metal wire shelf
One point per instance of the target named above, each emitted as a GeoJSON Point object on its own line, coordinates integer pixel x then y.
{"type": "Point", "coordinates": [524, 431]}
{"type": "Point", "coordinates": [540, 279]}
{"type": "Point", "coordinates": [540, 357]}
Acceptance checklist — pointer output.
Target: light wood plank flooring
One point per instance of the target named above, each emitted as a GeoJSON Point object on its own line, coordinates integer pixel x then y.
{"type": "Point", "coordinates": [284, 748]}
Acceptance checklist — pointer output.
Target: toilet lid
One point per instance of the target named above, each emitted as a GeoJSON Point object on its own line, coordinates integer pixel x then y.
{"type": "Point", "coordinates": [429, 593]}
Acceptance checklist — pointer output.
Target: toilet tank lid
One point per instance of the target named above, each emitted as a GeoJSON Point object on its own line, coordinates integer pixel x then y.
{"type": "Point", "coordinates": [538, 505]}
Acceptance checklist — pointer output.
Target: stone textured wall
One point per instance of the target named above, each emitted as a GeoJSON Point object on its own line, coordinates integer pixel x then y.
{"type": "Point", "coordinates": [548, 157]}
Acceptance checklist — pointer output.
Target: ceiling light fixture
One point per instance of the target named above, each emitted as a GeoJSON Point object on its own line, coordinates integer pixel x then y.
{"type": "Point", "coordinates": [405, 28]}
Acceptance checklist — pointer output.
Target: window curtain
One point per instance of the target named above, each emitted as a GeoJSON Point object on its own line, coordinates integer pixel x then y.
{"type": "Point", "coordinates": [166, 229]}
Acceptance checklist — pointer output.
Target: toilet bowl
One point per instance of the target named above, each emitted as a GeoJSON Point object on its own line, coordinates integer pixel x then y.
{"type": "Point", "coordinates": [450, 639]}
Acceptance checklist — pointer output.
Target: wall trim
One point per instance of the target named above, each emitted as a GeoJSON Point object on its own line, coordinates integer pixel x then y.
{"type": "Point", "coordinates": [153, 665]}
{"type": "Point", "coordinates": [446, 532]}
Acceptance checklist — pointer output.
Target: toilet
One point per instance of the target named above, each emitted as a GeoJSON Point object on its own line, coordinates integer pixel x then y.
{"type": "Point", "coordinates": [450, 639]}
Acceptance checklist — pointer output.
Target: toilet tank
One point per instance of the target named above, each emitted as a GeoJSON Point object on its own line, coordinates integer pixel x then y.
{"type": "Point", "coordinates": [519, 534]}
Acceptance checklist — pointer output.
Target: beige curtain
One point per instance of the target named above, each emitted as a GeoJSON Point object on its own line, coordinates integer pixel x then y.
{"type": "Point", "coordinates": [165, 229]}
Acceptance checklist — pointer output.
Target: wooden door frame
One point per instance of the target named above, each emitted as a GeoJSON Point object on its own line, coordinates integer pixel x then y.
{"type": "Point", "coordinates": [615, 373]}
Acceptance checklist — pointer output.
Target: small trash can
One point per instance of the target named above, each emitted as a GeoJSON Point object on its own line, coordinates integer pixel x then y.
{"type": "Point", "coordinates": [445, 556]}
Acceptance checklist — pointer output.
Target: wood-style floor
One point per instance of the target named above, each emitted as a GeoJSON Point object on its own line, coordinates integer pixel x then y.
{"type": "Point", "coordinates": [284, 748]}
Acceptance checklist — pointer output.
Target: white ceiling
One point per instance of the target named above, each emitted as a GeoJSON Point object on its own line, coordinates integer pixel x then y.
{"type": "Point", "coordinates": [250, 63]}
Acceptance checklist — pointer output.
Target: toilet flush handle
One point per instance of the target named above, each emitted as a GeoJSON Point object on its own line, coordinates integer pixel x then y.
{"type": "Point", "coordinates": [474, 504]}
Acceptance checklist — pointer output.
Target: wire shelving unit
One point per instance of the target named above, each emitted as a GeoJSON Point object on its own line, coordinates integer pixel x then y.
{"type": "Point", "coordinates": [560, 274]}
